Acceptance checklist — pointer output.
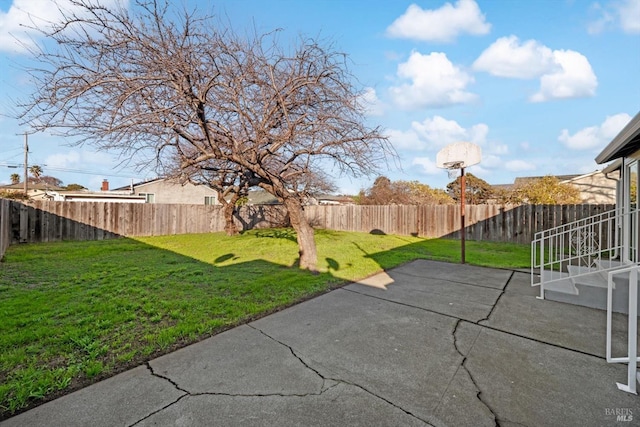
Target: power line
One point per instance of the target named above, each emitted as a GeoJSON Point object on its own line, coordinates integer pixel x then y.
{"type": "Point", "coordinates": [70, 170]}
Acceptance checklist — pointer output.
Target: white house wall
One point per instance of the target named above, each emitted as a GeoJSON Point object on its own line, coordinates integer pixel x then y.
{"type": "Point", "coordinates": [596, 188]}
{"type": "Point", "coordinates": [175, 193]}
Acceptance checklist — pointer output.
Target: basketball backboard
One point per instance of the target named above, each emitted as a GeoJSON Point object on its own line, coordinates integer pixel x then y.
{"type": "Point", "coordinates": [458, 155]}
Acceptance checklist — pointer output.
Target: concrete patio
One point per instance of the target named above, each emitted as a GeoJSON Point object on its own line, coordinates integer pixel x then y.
{"type": "Point", "coordinates": [427, 343]}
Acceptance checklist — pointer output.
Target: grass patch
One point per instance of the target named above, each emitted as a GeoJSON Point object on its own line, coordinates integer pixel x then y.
{"type": "Point", "coordinates": [75, 312]}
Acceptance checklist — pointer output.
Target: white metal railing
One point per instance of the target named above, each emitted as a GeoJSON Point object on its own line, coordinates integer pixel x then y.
{"type": "Point", "coordinates": [590, 244]}
{"type": "Point", "coordinates": [632, 330]}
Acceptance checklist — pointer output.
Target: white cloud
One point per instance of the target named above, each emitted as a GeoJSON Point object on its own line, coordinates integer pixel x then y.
{"type": "Point", "coordinates": [77, 159]}
{"type": "Point", "coordinates": [562, 73]}
{"type": "Point", "coordinates": [63, 160]}
{"type": "Point", "coordinates": [575, 78]}
{"type": "Point", "coordinates": [519, 166]}
{"type": "Point", "coordinates": [16, 25]}
{"type": "Point", "coordinates": [491, 161]}
{"type": "Point", "coordinates": [371, 103]}
{"type": "Point", "coordinates": [427, 165]}
{"type": "Point", "coordinates": [438, 132]}
{"type": "Point", "coordinates": [507, 57]}
{"type": "Point", "coordinates": [629, 13]}
{"type": "Point", "coordinates": [440, 25]}
{"type": "Point", "coordinates": [406, 140]}
{"type": "Point", "coordinates": [595, 136]}
{"type": "Point", "coordinates": [498, 149]}
{"type": "Point", "coordinates": [622, 13]}
{"type": "Point", "coordinates": [434, 82]}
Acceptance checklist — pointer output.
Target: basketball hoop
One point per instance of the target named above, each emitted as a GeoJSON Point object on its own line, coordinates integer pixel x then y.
{"type": "Point", "coordinates": [452, 168]}
{"type": "Point", "coordinates": [454, 157]}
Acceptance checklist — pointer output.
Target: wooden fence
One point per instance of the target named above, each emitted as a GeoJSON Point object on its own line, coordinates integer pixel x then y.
{"type": "Point", "coordinates": [5, 226]}
{"type": "Point", "coordinates": [496, 223]}
{"type": "Point", "coordinates": [44, 221]}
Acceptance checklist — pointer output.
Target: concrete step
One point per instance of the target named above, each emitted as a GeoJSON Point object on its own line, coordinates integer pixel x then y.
{"type": "Point", "coordinates": [589, 276]}
{"type": "Point", "coordinates": [595, 296]}
{"type": "Point", "coordinates": [609, 264]}
{"type": "Point", "coordinates": [559, 281]}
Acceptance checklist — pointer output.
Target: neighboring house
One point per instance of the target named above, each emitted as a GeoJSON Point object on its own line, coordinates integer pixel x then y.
{"type": "Point", "coordinates": [163, 190]}
{"type": "Point", "coordinates": [261, 197]}
{"type": "Point", "coordinates": [328, 199]}
{"type": "Point", "coordinates": [598, 187]}
{"type": "Point", "coordinates": [93, 196]}
{"type": "Point", "coordinates": [34, 191]}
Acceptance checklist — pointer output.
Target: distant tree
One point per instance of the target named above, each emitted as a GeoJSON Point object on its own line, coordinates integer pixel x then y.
{"type": "Point", "coordinates": [51, 181]}
{"type": "Point", "coordinates": [384, 192]}
{"type": "Point", "coordinates": [505, 196]}
{"type": "Point", "coordinates": [387, 192]}
{"type": "Point", "coordinates": [15, 178]}
{"type": "Point", "coordinates": [422, 194]}
{"type": "Point", "coordinates": [74, 187]}
{"type": "Point", "coordinates": [478, 191]}
{"type": "Point", "coordinates": [36, 172]}
{"type": "Point", "coordinates": [15, 195]}
{"type": "Point", "coordinates": [547, 190]}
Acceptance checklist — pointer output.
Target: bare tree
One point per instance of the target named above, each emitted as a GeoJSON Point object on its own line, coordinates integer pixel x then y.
{"type": "Point", "coordinates": [154, 80]}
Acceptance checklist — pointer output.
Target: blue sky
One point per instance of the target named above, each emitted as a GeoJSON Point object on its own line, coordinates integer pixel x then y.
{"type": "Point", "coordinates": [540, 85]}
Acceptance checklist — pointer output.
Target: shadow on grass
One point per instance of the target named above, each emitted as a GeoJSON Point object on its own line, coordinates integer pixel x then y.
{"type": "Point", "coordinates": [276, 233]}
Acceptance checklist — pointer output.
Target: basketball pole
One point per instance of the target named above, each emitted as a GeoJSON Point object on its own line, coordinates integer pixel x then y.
{"type": "Point", "coordinates": [463, 191]}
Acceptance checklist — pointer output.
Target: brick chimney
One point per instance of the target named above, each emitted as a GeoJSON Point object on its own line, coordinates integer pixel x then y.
{"type": "Point", "coordinates": [105, 185]}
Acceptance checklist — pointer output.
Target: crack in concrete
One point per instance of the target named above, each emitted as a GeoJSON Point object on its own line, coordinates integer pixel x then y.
{"type": "Point", "coordinates": [484, 325]}
{"type": "Point", "coordinates": [175, 384]}
{"type": "Point", "coordinates": [192, 394]}
{"type": "Point", "coordinates": [293, 353]}
{"type": "Point", "coordinates": [340, 380]}
{"type": "Point", "coordinates": [473, 380]}
{"type": "Point", "coordinates": [455, 344]}
{"type": "Point", "coordinates": [495, 304]}
{"type": "Point", "coordinates": [324, 388]}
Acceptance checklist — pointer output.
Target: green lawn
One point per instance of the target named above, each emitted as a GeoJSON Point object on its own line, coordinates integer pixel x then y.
{"type": "Point", "coordinates": [75, 312]}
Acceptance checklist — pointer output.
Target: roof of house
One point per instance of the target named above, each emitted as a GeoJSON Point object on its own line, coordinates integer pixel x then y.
{"type": "Point", "coordinates": [625, 143]}
{"type": "Point", "coordinates": [98, 194]}
{"type": "Point", "coordinates": [526, 179]}
{"type": "Point", "coordinates": [502, 186]}
{"type": "Point", "coordinates": [562, 178]}
{"type": "Point", "coordinates": [30, 186]}
{"type": "Point", "coordinates": [149, 181]}
{"type": "Point", "coordinates": [135, 184]}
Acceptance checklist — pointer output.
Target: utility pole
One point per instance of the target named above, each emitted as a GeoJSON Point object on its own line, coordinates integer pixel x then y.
{"type": "Point", "coordinates": [26, 159]}
{"type": "Point", "coordinates": [463, 191]}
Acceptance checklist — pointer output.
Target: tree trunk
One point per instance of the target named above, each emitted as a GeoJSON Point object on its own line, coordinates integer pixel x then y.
{"type": "Point", "coordinates": [228, 208]}
{"type": "Point", "coordinates": [305, 234]}
{"type": "Point", "coordinates": [229, 224]}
